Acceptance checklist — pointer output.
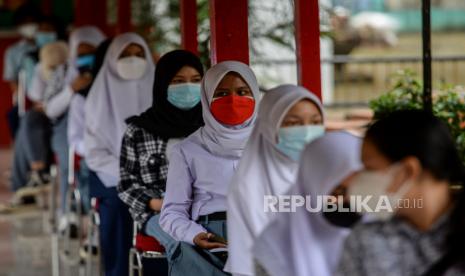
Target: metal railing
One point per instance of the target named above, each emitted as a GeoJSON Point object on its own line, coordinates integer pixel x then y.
{"type": "Point", "coordinates": [357, 80]}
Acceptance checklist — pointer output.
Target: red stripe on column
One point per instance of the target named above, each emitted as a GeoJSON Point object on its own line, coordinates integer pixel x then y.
{"type": "Point", "coordinates": [124, 16]}
{"type": "Point", "coordinates": [47, 7]}
{"type": "Point", "coordinates": [188, 13]}
{"type": "Point", "coordinates": [229, 30]}
{"type": "Point", "coordinates": [91, 12]}
{"type": "Point", "coordinates": [307, 36]}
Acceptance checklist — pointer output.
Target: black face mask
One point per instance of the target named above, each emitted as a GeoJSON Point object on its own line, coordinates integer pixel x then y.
{"type": "Point", "coordinates": [343, 219]}
{"type": "Point", "coordinates": [84, 92]}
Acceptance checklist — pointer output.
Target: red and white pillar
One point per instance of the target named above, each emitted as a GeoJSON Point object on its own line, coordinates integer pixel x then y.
{"type": "Point", "coordinates": [229, 31]}
{"type": "Point", "coordinates": [189, 33]}
{"type": "Point", "coordinates": [307, 37]}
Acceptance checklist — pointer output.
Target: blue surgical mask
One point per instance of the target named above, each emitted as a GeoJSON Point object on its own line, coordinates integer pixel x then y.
{"type": "Point", "coordinates": [292, 140]}
{"type": "Point", "coordinates": [43, 38]}
{"type": "Point", "coordinates": [85, 63]}
{"type": "Point", "coordinates": [185, 95]}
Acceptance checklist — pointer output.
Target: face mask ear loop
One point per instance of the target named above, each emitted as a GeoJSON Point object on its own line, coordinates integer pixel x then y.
{"type": "Point", "coordinates": [395, 169]}
{"type": "Point", "coordinates": [405, 186]}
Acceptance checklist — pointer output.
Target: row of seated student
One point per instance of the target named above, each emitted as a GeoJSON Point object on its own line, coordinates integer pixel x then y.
{"type": "Point", "coordinates": [192, 157]}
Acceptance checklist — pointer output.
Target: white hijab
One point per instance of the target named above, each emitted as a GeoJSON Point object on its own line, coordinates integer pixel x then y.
{"type": "Point", "coordinates": [303, 243]}
{"type": "Point", "coordinates": [87, 34]}
{"type": "Point", "coordinates": [112, 100]}
{"type": "Point", "coordinates": [263, 170]}
{"type": "Point", "coordinates": [214, 136]}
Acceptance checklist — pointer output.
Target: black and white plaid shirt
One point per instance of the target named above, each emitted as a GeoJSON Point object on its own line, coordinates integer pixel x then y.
{"type": "Point", "coordinates": [143, 171]}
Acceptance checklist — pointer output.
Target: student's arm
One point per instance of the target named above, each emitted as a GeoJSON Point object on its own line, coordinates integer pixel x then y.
{"type": "Point", "coordinates": [57, 105]}
{"type": "Point", "coordinates": [37, 89]}
{"type": "Point", "coordinates": [131, 188]}
{"type": "Point", "coordinates": [175, 218]}
{"type": "Point", "coordinates": [98, 157]}
{"type": "Point", "coordinates": [10, 70]}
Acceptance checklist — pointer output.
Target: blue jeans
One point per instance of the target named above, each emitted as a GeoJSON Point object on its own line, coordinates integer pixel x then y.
{"type": "Point", "coordinates": [192, 260]}
{"type": "Point", "coordinates": [32, 144]}
{"type": "Point", "coordinates": [115, 227]}
{"type": "Point", "coordinates": [61, 149]}
{"type": "Point", "coordinates": [152, 228]}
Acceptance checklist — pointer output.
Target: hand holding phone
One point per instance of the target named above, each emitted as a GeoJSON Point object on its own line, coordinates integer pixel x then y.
{"type": "Point", "coordinates": [219, 239]}
{"type": "Point", "coordinates": [207, 241]}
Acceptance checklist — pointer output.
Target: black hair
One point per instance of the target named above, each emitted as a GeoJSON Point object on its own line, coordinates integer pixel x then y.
{"type": "Point", "coordinates": [419, 133]}
{"type": "Point", "coordinates": [25, 12]}
{"type": "Point", "coordinates": [57, 24]}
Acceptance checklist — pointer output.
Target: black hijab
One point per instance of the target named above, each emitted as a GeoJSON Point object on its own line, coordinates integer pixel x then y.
{"type": "Point", "coordinates": [164, 119]}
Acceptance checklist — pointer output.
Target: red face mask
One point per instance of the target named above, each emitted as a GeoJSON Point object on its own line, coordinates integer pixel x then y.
{"type": "Point", "coordinates": [232, 110]}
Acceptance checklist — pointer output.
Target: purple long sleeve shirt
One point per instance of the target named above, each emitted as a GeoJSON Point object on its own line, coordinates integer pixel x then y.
{"type": "Point", "coordinates": [197, 185]}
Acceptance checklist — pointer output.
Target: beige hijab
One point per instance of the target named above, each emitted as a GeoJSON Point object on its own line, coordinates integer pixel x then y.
{"type": "Point", "coordinates": [51, 56]}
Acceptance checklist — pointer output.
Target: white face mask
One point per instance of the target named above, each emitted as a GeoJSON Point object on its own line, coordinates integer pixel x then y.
{"type": "Point", "coordinates": [131, 68]}
{"type": "Point", "coordinates": [375, 184]}
{"type": "Point", "coordinates": [28, 30]}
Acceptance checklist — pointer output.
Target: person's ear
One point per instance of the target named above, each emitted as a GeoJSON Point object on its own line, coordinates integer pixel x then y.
{"type": "Point", "coordinates": [409, 170]}
{"type": "Point", "coordinates": [412, 168]}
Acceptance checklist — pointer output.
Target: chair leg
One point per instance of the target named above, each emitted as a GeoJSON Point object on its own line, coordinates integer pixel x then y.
{"type": "Point", "coordinates": [55, 255]}
{"type": "Point", "coordinates": [139, 264]}
{"type": "Point", "coordinates": [100, 264]}
{"type": "Point", "coordinates": [79, 214]}
{"type": "Point", "coordinates": [135, 256]}
{"type": "Point", "coordinates": [52, 197]}
{"type": "Point", "coordinates": [92, 233]}
{"type": "Point", "coordinates": [53, 222]}
{"type": "Point", "coordinates": [90, 236]}
{"type": "Point", "coordinates": [131, 262]}
{"type": "Point", "coordinates": [67, 233]}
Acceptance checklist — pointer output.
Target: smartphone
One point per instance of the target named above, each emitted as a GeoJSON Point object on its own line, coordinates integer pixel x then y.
{"type": "Point", "coordinates": [219, 239]}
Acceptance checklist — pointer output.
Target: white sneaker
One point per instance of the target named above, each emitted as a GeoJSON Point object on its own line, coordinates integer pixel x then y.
{"type": "Point", "coordinates": [62, 224]}
{"type": "Point", "coordinates": [69, 221]}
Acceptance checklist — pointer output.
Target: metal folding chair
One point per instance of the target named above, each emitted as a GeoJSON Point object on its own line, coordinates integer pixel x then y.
{"type": "Point", "coordinates": [144, 247]}
{"type": "Point", "coordinates": [69, 252]}
{"type": "Point", "coordinates": [53, 222]}
{"type": "Point", "coordinates": [93, 234]}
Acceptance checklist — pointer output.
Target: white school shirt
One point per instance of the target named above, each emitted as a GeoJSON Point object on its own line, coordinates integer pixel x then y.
{"type": "Point", "coordinates": [197, 185]}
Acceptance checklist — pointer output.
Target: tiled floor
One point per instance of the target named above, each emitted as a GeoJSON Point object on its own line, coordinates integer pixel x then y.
{"type": "Point", "coordinates": [25, 236]}
{"type": "Point", "coordinates": [24, 243]}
